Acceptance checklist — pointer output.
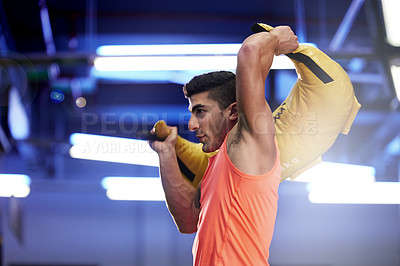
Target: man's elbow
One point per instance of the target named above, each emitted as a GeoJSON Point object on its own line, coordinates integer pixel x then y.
{"type": "Point", "coordinates": [248, 48]}
{"type": "Point", "coordinates": [249, 54]}
{"type": "Point", "coordinates": [186, 228]}
{"type": "Point", "coordinates": [187, 225]}
{"type": "Point", "coordinates": [257, 45]}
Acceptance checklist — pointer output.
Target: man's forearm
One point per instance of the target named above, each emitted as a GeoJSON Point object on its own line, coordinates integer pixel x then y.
{"type": "Point", "coordinates": [257, 53]}
{"type": "Point", "coordinates": [178, 193]}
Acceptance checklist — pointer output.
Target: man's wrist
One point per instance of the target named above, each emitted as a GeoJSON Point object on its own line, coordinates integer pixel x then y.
{"type": "Point", "coordinates": [167, 152]}
{"type": "Point", "coordinates": [274, 40]}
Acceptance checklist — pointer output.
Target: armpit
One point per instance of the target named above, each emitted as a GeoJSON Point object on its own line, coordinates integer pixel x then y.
{"type": "Point", "coordinates": [196, 198]}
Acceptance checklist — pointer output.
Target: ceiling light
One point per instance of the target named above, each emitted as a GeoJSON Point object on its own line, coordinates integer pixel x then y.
{"type": "Point", "coordinates": [328, 172]}
{"type": "Point", "coordinates": [352, 193]}
{"type": "Point", "coordinates": [17, 117]}
{"type": "Point", "coordinates": [395, 69]}
{"type": "Point", "coordinates": [173, 57]}
{"type": "Point", "coordinates": [112, 149]}
{"type": "Point", "coordinates": [169, 49]}
{"type": "Point", "coordinates": [178, 63]}
{"type": "Point", "coordinates": [165, 63]}
{"type": "Point", "coordinates": [134, 188]}
{"type": "Point", "coordinates": [391, 18]}
{"type": "Point", "coordinates": [14, 185]}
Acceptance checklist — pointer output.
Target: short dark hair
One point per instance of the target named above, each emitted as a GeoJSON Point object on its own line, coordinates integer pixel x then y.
{"type": "Point", "coordinates": [220, 84]}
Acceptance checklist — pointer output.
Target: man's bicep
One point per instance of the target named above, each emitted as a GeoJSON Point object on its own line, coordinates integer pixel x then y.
{"type": "Point", "coordinates": [250, 82]}
{"type": "Point", "coordinates": [250, 91]}
{"type": "Point", "coordinates": [255, 114]}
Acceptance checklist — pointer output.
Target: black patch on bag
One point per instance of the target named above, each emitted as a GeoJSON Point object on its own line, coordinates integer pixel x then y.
{"type": "Point", "coordinates": [186, 171]}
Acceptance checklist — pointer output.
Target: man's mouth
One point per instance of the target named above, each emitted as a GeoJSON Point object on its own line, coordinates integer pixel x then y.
{"type": "Point", "coordinates": [200, 137]}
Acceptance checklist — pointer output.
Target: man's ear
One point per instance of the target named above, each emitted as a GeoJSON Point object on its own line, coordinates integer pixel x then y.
{"type": "Point", "coordinates": [233, 111]}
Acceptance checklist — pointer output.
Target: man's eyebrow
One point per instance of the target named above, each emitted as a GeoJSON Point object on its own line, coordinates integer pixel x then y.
{"type": "Point", "coordinates": [197, 106]}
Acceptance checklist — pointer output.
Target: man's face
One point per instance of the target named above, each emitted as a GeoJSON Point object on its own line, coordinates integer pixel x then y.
{"type": "Point", "coordinates": [208, 121]}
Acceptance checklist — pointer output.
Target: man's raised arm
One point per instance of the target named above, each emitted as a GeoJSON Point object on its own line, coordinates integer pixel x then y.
{"type": "Point", "coordinates": [254, 62]}
{"type": "Point", "coordinates": [255, 130]}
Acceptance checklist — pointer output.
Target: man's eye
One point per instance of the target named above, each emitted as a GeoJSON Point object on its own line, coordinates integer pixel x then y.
{"type": "Point", "coordinates": [200, 112]}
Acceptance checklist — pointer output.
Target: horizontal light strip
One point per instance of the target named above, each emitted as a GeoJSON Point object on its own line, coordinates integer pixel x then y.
{"type": "Point", "coordinates": [169, 49]}
{"type": "Point", "coordinates": [178, 77]}
{"type": "Point", "coordinates": [336, 183]}
{"type": "Point", "coordinates": [112, 149]}
{"type": "Point", "coordinates": [14, 185]}
{"type": "Point", "coordinates": [172, 49]}
{"type": "Point", "coordinates": [338, 172]}
{"type": "Point", "coordinates": [178, 63]}
{"type": "Point", "coordinates": [134, 188]}
{"type": "Point", "coordinates": [165, 63]}
{"type": "Point", "coordinates": [174, 57]}
{"type": "Point", "coordinates": [351, 193]}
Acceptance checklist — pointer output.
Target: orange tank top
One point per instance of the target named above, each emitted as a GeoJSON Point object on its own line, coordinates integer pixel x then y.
{"type": "Point", "coordinates": [237, 215]}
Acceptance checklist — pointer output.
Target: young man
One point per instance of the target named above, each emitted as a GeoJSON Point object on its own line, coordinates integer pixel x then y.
{"type": "Point", "coordinates": [233, 210]}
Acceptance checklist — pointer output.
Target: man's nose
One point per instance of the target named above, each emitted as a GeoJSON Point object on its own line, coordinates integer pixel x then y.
{"type": "Point", "coordinates": [193, 124]}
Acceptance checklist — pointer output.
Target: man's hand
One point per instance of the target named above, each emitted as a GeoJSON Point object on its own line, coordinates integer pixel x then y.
{"type": "Point", "coordinates": [166, 146]}
{"type": "Point", "coordinates": [286, 40]}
